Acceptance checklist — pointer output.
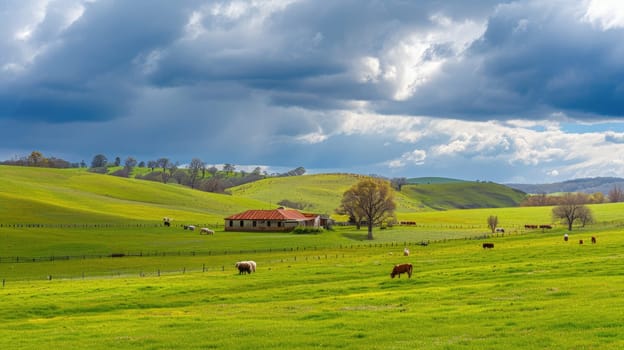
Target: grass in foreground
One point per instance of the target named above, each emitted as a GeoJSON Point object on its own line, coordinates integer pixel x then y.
{"type": "Point", "coordinates": [530, 292]}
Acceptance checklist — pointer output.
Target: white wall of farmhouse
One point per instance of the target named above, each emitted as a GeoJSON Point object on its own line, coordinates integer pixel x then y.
{"type": "Point", "coordinates": [260, 225]}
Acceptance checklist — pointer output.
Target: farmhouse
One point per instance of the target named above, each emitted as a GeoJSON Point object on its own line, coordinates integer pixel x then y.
{"type": "Point", "coordinates": [279, 219]}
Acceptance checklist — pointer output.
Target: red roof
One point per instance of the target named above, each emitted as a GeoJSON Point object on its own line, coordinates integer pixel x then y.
{"type": "Point", "coordinates": [275, 214]}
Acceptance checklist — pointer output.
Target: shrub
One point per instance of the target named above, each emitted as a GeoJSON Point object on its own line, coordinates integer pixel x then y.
{"type": "Point", "coordinates": [306, 230]}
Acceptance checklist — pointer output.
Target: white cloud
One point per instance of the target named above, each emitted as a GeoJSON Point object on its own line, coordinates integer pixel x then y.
{"type": "Point", "coordinates": [608, 14]}
{"type": "Point", "coordinates": [417, 57]}
{"type": "Point", "coordinates": [313, 137]}
{"type": "Point", "coordinates": [415, 157]}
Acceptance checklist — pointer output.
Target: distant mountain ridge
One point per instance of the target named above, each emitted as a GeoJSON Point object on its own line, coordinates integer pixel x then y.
{"type": "Point", "coordinates": [585, 185]}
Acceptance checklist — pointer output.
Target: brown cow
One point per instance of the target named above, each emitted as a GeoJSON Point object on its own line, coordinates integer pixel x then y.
{"type": "Point", "coordinates": [593, 240]}
{"type": "Point", "coordinates": [243, 266]}
{"type": "Point", "coordinates": [401, 268]}
{"type": "Point", "coordinates": [488, 245]}
{"type": "Point", "coordinates": [580, 241]}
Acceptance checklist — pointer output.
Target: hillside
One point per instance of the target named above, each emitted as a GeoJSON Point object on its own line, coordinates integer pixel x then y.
{"type": "Point", "coordinates": [44, 195]}
{"type": "Point", "coordinates": [586, 185]}
{"type": "Point", "coordinates": [464, 195]}
{"type": "Point", "coordinates": [432, 180]}
{"type": "Point", "coordinates": [322, 193]}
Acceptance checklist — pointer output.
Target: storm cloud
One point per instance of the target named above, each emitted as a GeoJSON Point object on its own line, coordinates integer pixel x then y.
{"type": "Point", "coordinates": [395, 88]}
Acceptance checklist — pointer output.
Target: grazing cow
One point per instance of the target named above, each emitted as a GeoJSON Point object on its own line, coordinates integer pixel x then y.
{"type": "Point", "coordinates": [500, 229]}
{"type": "Point", "coordinates": [206, 230]}
{"type": "Point", "coordinates": [424, 243]}
{"type": "Point", "coordinates": [593, 240]}
{"type": "Point", "coordinates": [252, 264]}
{"type": "Point", "coordinates": [243, 266]}
{"type": "Point", "coordinates": [191, 228]}
{"type": "Point", "coordinates": [545, 227]}
{"type": "Point", "coordinates": [565, 237]}
{"type": "Point", "coordinates": [488, 245]}
{"type": "Point", "coordinates": [405, 252]}
{"type": "Point", "coordinates": [167, 221]}
{"type": "Point", "coordinates": [401, 268]}
{"type": "Point", "coordinates": [580, 241]}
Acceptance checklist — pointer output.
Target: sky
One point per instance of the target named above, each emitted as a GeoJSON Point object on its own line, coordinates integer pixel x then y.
{"type": "Point", "coordinates": [503, 91]}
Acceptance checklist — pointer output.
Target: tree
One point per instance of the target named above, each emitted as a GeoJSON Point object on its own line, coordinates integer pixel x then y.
{"type": "Point", "coordinates": [194, 168]}
{"type": "Point", "coordinates": [36, 158]}
{"type": "Point", "coordinates": [99, 161]}
{"type": "Point", "coordinates": [117, 161]}
{"type": "Point", "coordinates": [229, 168]}
{"type": "Point", "coordinates": [152, 164]}
{"type": "Point", "coordinates": [130, 163]}
{"type": "Point", "coordinates": [164, 163]}
{"type": "Point", "coordinates": [585, 216]}
{"type": "Point", "coordinates": [398, 182]}
{"type": "Point", "coordinates": [616, 194]}
{"type": "Point", "coordinates": [571, 209]}
{"type": "Point", "coordinates": [348, 207]}
{"type": "Point", "coordinates": [372, 199]}
{"type": "Point", "coordinates": [492, 222]}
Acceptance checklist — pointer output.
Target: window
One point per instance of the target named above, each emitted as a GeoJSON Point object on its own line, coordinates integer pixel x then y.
{"type": "Point", "coordinates": [279, 224]}
{"type": "Point", "coordinates": [231, 223]}
{"type": "Point", "coordinates": [254, 224]}
{"type": "Point", "coordinates": [241, 223]}
{"type": "Point", "coordinates": [268, 224]}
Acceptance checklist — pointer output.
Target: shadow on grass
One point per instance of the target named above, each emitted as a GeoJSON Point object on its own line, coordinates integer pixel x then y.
{"type": "Point", "coordinates": [356, 236]}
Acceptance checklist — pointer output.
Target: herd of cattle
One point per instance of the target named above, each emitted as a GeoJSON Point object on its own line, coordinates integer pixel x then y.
{"type": "Point", "coordinates": [249, 266]}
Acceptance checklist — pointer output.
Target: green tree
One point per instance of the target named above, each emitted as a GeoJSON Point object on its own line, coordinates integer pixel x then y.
{"type": "Point", "coordinates": [371, 198]}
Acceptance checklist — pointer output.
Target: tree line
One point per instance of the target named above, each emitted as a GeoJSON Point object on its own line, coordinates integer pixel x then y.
{"type": "Point", "coordinates": [197, 174]}
{"type": "Point", "coordinates": [37, 159]}
{"type": "Point", "coordinates": [615, 194]}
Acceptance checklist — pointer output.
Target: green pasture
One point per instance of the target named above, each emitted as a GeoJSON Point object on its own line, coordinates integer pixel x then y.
{"type": "Point", "coordinates": [71, 196]}
{"type": "Point", "coordinates": [532, 291]}
{"type": "Point", "coordinates": [177, 289]}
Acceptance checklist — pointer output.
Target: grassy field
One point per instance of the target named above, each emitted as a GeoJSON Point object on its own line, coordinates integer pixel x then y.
{"type": "Point", "coordinates": [532, 291]}
{"type": "Point", "coordinates": [176, 289]}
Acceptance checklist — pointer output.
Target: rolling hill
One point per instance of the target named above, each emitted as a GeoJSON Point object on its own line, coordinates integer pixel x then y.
{"type": "Point", "coordinates": [463, 195]}
{"type": "Point", "coordinates": [322, 193]}
{"type": "Point", "coordinates": [432, 180]}
{"type": "Point", "coordinates": [586, 185]}
{"type": "Point", "coordinates": [43, 195]}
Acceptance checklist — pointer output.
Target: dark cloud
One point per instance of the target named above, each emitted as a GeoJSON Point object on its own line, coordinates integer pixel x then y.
{"type": "Point", "coordinates": [261, 83]}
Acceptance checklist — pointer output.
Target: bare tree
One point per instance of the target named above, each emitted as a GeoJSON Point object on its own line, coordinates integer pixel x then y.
{"type": "Point", "coordinates": [194, 168]}
{"type": "Point", "coordinates": [492, 222]}
{"type": "Point", "coordinates": [571, 209]}
{"type": "Point", "coordinates": [372, 199]}
{"type": "Point", "coordinates": [152, 164]}
{"type": "Point", "coordinates": [99, 161]}
{"type": "Point", "coordinates": [398, 183]}
{"type": "Point", "coordinates": [616, 194]}
{"type": "Point", "coordinates": [585, 215]}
